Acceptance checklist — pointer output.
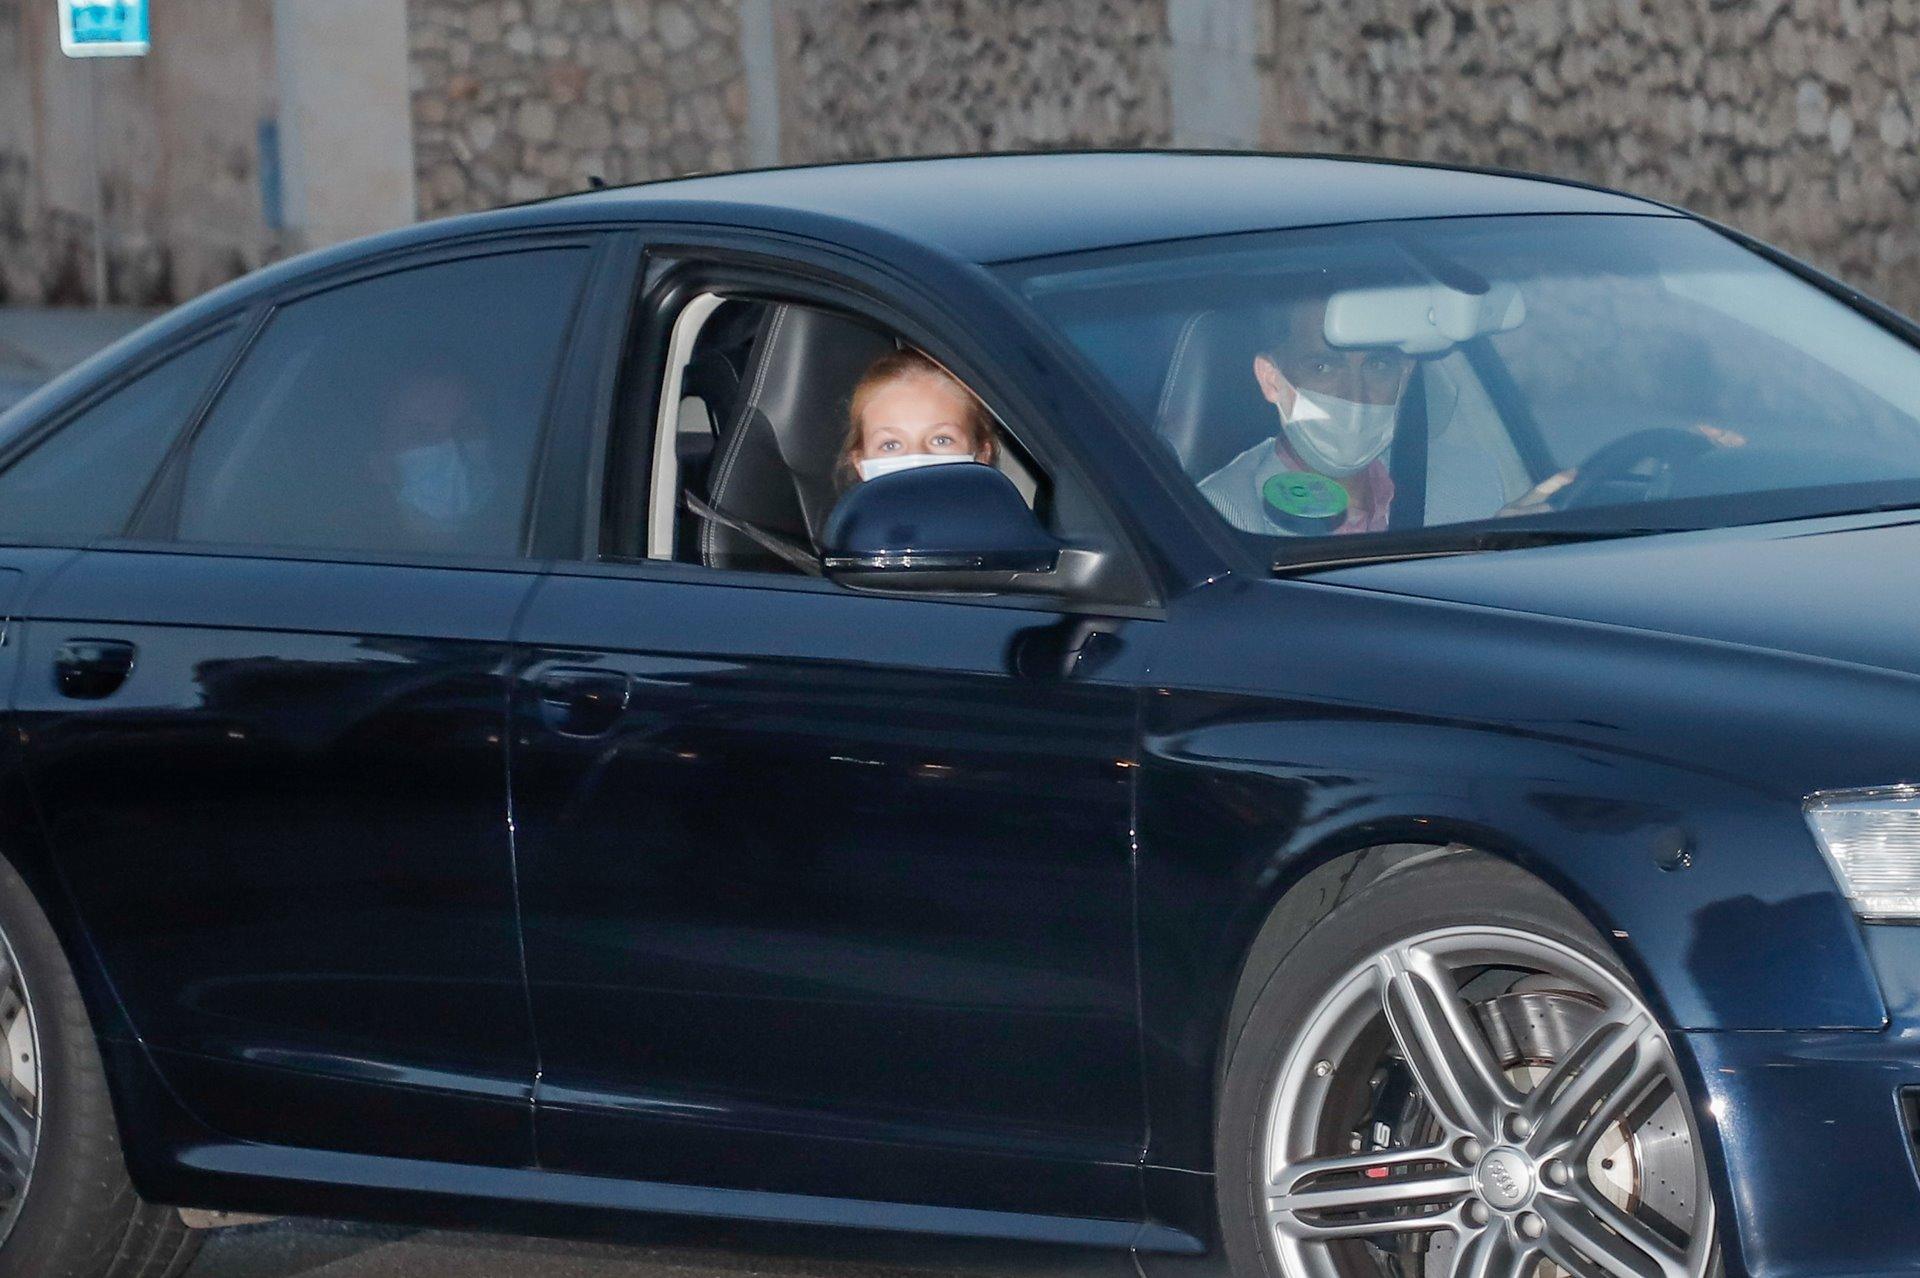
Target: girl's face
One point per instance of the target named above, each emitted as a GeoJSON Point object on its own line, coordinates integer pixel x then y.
{"type": "Point", "coordinates": [917, 415]}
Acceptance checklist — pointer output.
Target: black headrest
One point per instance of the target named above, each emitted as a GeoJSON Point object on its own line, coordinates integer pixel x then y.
{"type": "Point", "coordinates": [1211, 409]}
{"type": "Point", "coordinates": [711, 377]}
{"type": "Point", "coordinates": [777, 455]}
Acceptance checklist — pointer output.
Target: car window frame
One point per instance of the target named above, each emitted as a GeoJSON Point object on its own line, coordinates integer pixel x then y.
{"type": "Point", "coordinates": [153, 527]}
{"type": "Point", "coordinates": [659, 520]}
{"type": "Point", "coordinates": [678, 263]}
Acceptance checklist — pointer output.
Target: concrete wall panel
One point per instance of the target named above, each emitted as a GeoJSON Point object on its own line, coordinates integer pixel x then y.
{"type": "Point", "coordinates": [177, 139]}
{"type": "Point", "coordinates": [346, 137]}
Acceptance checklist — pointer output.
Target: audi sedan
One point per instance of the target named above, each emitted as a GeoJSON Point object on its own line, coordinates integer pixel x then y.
{"type": "Point", "coordinates": [1386, 754]}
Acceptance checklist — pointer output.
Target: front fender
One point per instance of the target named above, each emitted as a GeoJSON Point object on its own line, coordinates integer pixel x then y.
{"type": "Point", "coordinates": [1641, 776]}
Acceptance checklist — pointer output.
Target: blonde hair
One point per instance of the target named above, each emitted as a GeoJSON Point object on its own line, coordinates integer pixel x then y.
{"type": "Point", "coordinates": [897, 366]}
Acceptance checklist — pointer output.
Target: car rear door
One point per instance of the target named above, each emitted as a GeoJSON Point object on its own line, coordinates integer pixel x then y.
{"type": "Point", "coordinates": [267, 725]}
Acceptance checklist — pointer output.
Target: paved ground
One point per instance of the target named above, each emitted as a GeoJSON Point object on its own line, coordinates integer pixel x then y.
{"type": "Point", "coordinates": [311, 1249]}
{"type": "Point", "coordinates": [315, 1249]}
{"type": "Point", "coordinates": [37, 343]}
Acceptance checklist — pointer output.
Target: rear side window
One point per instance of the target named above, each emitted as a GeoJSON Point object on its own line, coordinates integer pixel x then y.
{"type": "Point", "coordinates": [82, 482]}
{"type": "Point", "coordinates": [397, 414]}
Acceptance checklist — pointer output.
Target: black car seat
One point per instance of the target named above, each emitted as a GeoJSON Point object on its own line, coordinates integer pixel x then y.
{"type": "Point", "coordinates": [1211, 409]}
{"type": "Point", "coordinates": [774, 464]}
{"type": "Point", "coordinates": [713, 377]}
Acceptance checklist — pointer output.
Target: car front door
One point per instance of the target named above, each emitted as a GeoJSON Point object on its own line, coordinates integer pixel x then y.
{"type": "Point", "coordinates": [830, 893]}
{"type": "Point", "coordinates": [267, 727]}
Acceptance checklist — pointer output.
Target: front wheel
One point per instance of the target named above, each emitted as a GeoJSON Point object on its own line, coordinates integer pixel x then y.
{"type": "Point", "coordinates": [1451, 1077]}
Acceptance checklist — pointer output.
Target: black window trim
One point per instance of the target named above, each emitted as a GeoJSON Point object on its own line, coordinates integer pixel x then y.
{"type": "Point", "coordinates": [681, 262]}
{"type": "Point", "coordinates": [155, 521]}
{"type": "Point", "coordinates": [580, 420]}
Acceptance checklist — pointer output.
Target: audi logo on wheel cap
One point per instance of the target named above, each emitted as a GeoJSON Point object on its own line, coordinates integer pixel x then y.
{"type": "Point", "coordinates": [1505, 1179]}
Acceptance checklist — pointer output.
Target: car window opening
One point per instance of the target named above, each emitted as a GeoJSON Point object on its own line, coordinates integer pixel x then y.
{"type": "Point", "coordinates": [754, 432]}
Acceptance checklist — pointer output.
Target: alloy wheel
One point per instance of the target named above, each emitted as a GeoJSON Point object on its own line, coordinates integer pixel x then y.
{"type": "Point", "coordinates": [1483, 1103]}
{"type": "Point", "coordinates": [20, 1104]}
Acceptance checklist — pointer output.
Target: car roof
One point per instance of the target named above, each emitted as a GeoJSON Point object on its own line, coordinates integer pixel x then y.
{"type": "Point", "coordinates": [989, 208]}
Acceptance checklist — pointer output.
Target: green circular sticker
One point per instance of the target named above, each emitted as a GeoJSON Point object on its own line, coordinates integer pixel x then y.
{"type": "Point", "coordinates": [1303, 502]}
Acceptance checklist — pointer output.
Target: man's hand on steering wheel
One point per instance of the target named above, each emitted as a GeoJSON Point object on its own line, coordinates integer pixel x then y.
{"type": "Point", "coordinates": [1542, 495]}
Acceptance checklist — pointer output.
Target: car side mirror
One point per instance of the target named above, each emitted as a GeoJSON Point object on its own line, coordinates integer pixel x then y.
{"type": "Point", "coordinates": [957, 526]}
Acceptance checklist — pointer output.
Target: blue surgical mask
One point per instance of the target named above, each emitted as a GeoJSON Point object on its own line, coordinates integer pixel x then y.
{"type": "Point", "coordinates": [434, 481]}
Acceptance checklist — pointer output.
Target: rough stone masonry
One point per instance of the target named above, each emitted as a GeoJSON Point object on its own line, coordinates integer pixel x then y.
{"type": "Point", "coordinates": [517, 99]}
{"type": "Point", "coordinates": [1792, 119]}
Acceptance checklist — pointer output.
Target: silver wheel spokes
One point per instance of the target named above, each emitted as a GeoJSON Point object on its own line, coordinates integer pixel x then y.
{"type": "Point", "coordinates": [1507, 1178]}
{"type": "Point", "coordinates": [19, 1091]}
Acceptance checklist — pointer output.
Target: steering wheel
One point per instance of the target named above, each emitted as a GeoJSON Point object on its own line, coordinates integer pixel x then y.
{"type": "Point", "coordinates": [1614, 464]}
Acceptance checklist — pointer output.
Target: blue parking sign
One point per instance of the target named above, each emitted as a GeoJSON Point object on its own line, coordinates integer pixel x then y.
{"type": "Point", "coordinates": [103, 28]}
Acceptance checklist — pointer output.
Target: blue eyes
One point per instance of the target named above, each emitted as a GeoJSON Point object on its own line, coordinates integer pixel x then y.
{"type": "Point", "coordinates": [938, 441]}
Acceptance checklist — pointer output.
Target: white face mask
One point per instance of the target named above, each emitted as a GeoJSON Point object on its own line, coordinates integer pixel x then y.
{"type": "Point", "coordinates": [1338, 436]}
{"type": "Point", "coordinates": [874, 467]}
{"type": "Point", "coordinates": [434, 481]}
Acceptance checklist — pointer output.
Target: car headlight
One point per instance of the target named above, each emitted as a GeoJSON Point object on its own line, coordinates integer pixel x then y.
{"type": "Point", "coordinates": [1872, 840]}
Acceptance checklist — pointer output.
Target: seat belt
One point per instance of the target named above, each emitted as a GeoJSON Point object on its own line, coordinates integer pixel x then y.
{"type": "Point", "coordinates": [788, 552]}
{"type": "Point", "coordinates": [1412, 446]}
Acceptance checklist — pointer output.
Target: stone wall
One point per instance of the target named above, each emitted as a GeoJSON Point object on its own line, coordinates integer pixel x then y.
{"type": "Point", "coordinates": [863, 78]}
{"type": "Point", "coordinates": [1790, 119]}
{"type": "Point", "coordinates": [517, 99]}
{"type": "Point", "coordinates": [1793, 119]}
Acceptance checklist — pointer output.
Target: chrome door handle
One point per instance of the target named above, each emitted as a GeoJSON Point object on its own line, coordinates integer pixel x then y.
{"type": "Point", "coordinates": [90, 669]}
{"type": "Point", "coordinates": [578, 701]}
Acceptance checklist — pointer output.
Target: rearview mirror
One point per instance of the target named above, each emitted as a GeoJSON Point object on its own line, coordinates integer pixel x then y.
{"type": "Point", "coordinates": [1421, 319]}
{"type": "Point", "coordinates": [959, 526]}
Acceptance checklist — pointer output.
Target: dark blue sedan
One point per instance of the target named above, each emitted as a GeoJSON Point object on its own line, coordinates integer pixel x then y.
{"type": "Point", "coordinates": [1317, 718]}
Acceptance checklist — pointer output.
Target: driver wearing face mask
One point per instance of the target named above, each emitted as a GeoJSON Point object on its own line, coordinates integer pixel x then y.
{"type": "Point", "coordinates": [1325, 468]}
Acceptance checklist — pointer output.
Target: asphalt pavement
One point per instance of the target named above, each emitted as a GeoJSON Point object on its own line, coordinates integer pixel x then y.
{"type": "Point", "coordinates": [316, 1249]}
{"type": "Point", "coordinates": [320, 1249]}
{"type": "Point", "coordinates": [38, 342]}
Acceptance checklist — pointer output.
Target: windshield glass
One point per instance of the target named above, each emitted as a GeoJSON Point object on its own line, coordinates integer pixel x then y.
{"type": "Point", "coordinates": [1596, 372]}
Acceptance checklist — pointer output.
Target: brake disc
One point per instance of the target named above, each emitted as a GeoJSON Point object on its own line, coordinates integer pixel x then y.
{"type": "Point", "coordinates": [1643, 1163]}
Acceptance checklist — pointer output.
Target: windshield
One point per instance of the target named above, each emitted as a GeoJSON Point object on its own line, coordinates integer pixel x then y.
{"type": "Point", "coordinates": [1608, 373]}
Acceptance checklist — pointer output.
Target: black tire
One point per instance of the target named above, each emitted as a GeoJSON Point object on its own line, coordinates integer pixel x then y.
{"type": "Point", "coordinates": [1282, 989]}
{"type": "Point", "coordinates": [81, 1217]}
